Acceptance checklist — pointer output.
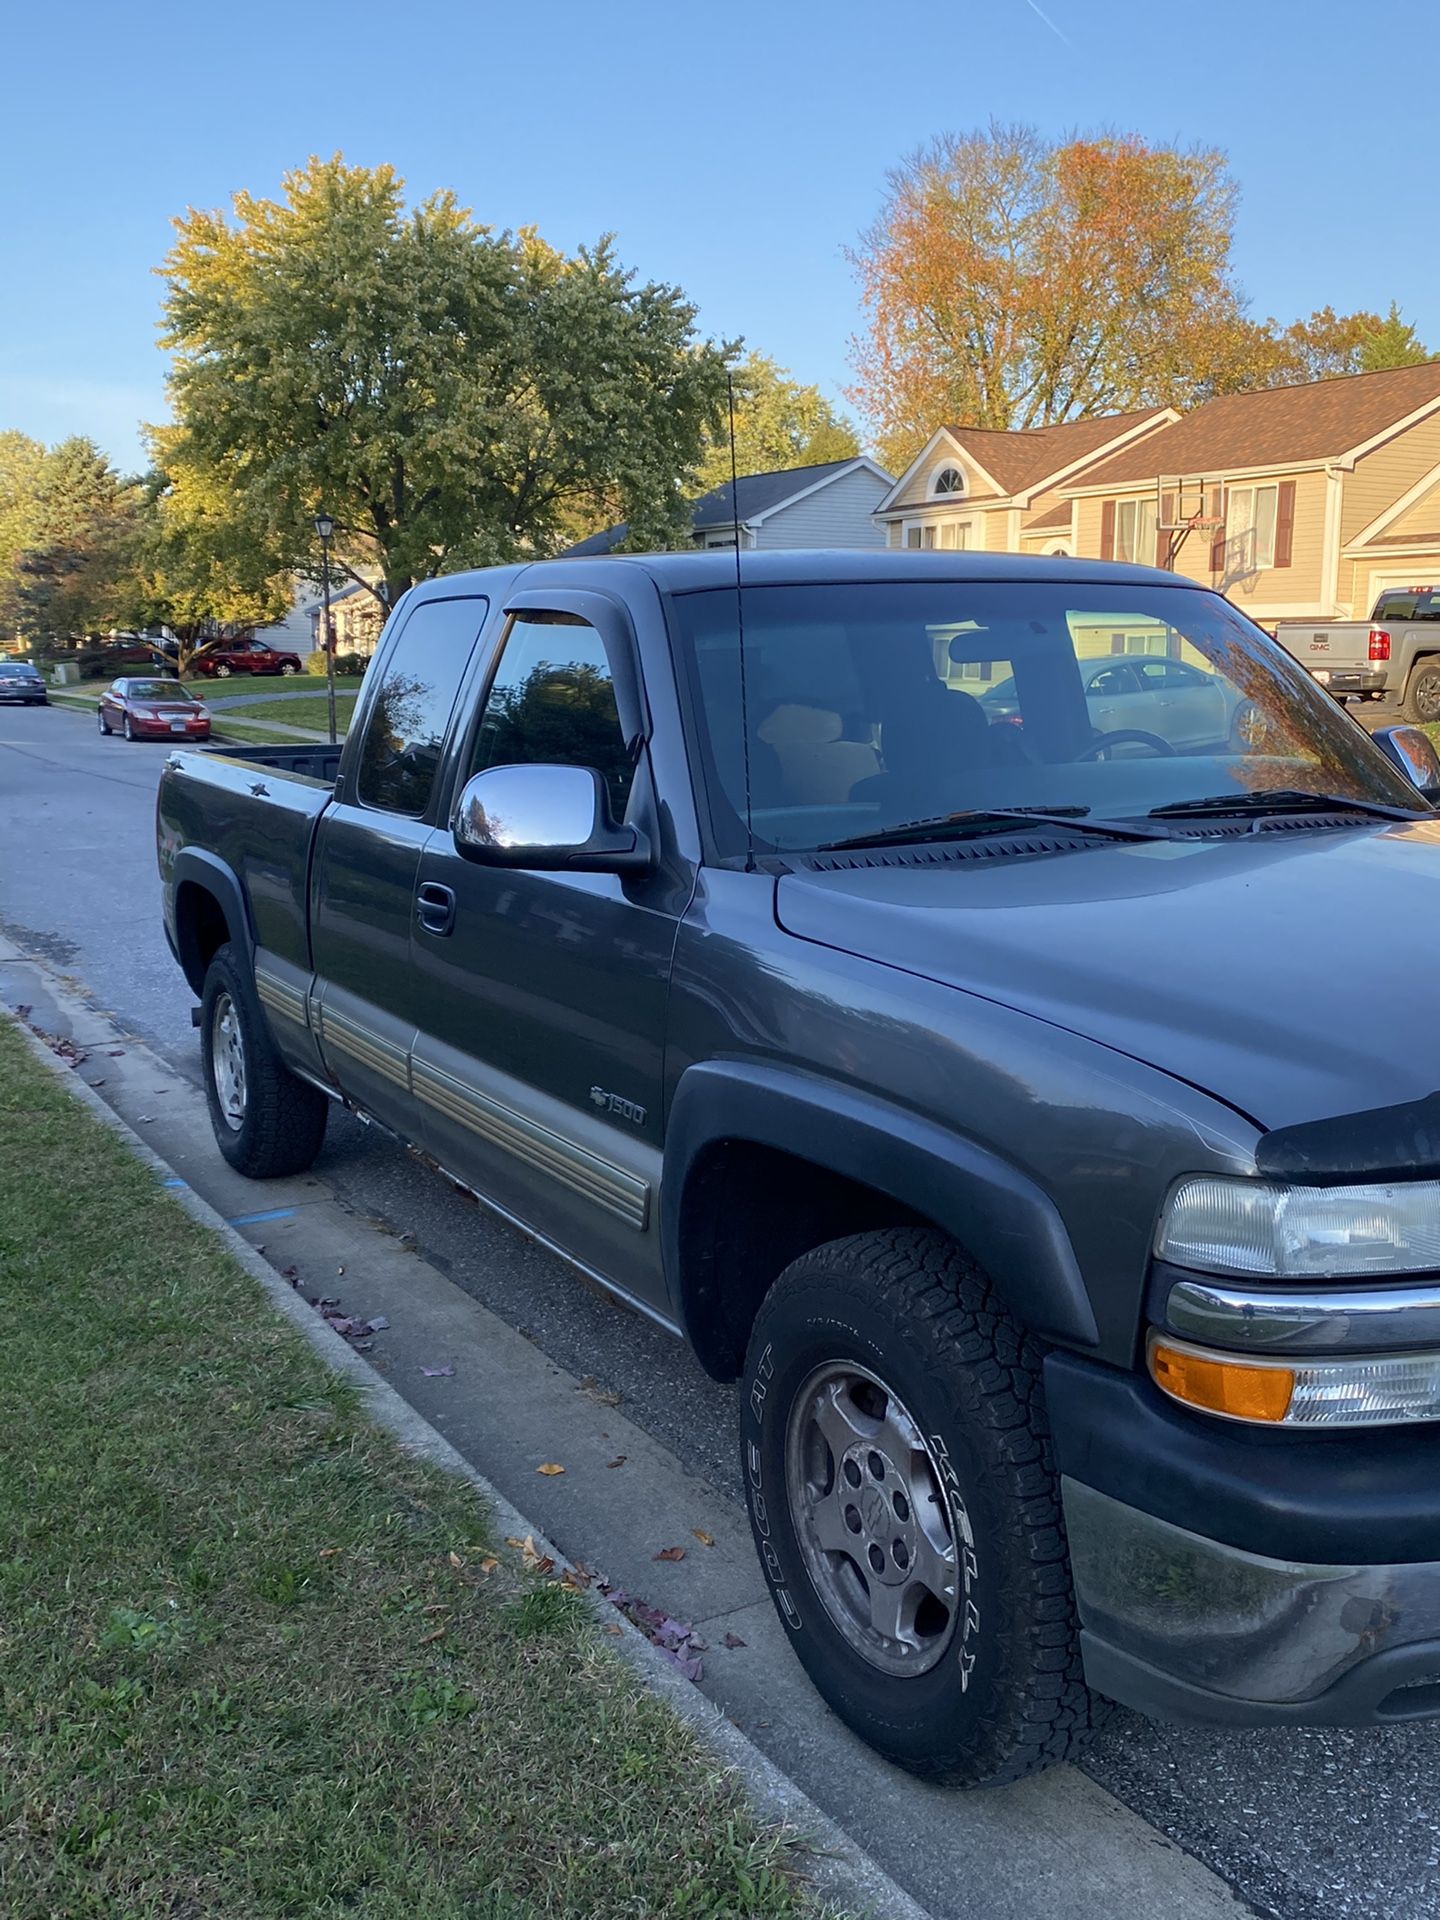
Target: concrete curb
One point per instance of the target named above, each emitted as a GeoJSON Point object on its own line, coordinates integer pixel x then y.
{"type": "Point", "coordinates": [838, 1870]}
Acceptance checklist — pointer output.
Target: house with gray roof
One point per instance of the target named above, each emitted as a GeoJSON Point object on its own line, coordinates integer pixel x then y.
{"type": "Point", "coordinates": [829, 505]}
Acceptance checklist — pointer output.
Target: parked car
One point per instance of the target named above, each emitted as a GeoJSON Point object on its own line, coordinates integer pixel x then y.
{"type": "Point", "coordinates": [949, 1091]}
{"type": "Point", "coordinates": [224, 657]}
{"type": "Point", "coordinates": [152, 710]}
{"type": "Point", "coordinates": [20, 681]}
{"type": "Point", "coordinates": [1394, 655]}
{"type": "Point", "coordinates": [1169, 700]}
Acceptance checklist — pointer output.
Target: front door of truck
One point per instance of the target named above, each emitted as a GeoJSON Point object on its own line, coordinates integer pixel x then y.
{"type": "Point", "coordinates": [362, 900]}
{"type": "Point", "coordinates": [538, 1059]}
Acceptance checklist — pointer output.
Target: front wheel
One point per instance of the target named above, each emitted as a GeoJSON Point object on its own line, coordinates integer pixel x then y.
{"type": "Point", "coordinates": [129, 730]}
{"type": "Point", "coordinates": [897, 1467]}
{"type": "Point", "coordinates": [222, 672]}
{"type": "Point", "coordinates": [266, 1120]}
{"type": "Point", "coordinates": [100, 718]}
{"type": "Point", "coordinates": [288, 671]}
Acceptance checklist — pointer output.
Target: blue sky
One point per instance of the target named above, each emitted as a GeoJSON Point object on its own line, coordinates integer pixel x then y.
{"type": "Point", "coordinates": [733, 150]}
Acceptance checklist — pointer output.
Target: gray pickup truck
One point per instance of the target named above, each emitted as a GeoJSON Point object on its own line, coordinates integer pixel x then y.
{"type": "Point", "coordinates": [1394, 655]}
{"type": "Point", "coordinates": [960, 1081]}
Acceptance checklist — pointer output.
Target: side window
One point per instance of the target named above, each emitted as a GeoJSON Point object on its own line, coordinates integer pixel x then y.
{"type": "Point", "coordinates": [1427, 607]}
{"type": "Point", "coordinates": [405, 728]}
{"type": "Point", "coordinates": [552, 701]}
{"type": "Point", "coordinates": [1112, 680]}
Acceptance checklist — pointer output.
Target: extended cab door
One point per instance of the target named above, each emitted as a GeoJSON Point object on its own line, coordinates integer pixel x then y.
{"type": "Point", "coordinates": [368, 846]}
{"type": "Point", "coordinates": [538, 1059]}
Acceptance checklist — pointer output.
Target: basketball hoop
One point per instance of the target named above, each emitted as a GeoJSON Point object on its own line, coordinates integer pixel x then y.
{"type": "Point", "coordinates": [1188, 503]}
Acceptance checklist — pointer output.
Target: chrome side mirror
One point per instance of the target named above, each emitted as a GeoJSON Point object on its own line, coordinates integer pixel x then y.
{"type": "Point", "coordinates": [1413, 752]}
{"type": "Point", "coordinates": [547, 818]}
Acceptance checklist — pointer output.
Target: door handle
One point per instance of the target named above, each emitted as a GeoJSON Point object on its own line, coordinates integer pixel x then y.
{"type": "Point", "coordinates": [435, 907]}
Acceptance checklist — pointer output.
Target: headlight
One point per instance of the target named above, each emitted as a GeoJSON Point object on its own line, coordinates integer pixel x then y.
{"type": "Point", "coordinates": [1222, 1225]}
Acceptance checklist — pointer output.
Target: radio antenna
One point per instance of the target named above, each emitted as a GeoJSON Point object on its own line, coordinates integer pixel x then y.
{"type": "Point", "coordinates": [740, 634]}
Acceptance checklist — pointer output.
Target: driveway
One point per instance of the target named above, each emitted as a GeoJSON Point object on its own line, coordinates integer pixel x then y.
{"type": "Point", "coordinates": [1312, 1825]}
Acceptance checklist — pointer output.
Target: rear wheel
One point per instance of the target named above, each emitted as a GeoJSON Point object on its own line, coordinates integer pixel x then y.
{"type": "Point", "coordinates": [897, 1467]}
{"type": "Point", "coordinates": [1422, 693]}
{"type": "Point", "coordinates": [222, 672]}
{"type": "Point", "coordinates": [288, 671]}
{"type": "Point", "coordinates": [104, 725]}
{"type": "Point", "coordinates": [266, 1120]}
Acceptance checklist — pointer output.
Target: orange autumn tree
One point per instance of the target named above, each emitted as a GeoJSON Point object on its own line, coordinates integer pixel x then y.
{"type": "Point", "coordinates": [1011, 281]}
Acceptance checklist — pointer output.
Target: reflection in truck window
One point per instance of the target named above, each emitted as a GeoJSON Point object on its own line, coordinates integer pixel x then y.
{"type": "Point", "coordinates": [552, 702]}
{"type": "Point", "coordinates": [409, 714]}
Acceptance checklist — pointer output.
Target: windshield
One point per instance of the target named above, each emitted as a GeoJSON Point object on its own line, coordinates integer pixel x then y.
{"type": "Point", "coordinates": [156, 690]}
{"type": "Point", "coordinates": [21, 667]}
{"type": "Point", "coordinates": [872, 706]}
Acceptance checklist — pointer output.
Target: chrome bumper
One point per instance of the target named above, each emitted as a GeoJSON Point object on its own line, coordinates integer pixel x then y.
{"type": "Point", "coordinates": [1184, 1627]}
{"type": "Point", "coordinates": [1305, 1320]}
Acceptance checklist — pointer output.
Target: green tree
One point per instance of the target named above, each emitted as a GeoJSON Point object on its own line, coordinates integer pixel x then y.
{"type": "Point", "coordinates": [77, 571]}
{"type": "Point", "coordinates": [1014, 282]}
{"type": "Point", "coordinates": [22, 461]}
{"type": "Point", "coordinates": [778, 423]}
{"type": "Point", "coordinates": [204, 569]}
{"type": "Point", "coordinates": [452, 395]}
{"type": "Point", "coordinates": [1392, 342]}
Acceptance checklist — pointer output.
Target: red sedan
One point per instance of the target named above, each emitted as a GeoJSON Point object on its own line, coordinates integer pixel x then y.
{"type": "Point", "coordinates": [153, 710]}
{"type": "Point", "coordinates": [224, 657]}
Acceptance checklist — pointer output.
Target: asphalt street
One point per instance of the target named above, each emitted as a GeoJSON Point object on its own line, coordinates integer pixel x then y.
{"type": "Point", "coordinates": [1302, 1824]}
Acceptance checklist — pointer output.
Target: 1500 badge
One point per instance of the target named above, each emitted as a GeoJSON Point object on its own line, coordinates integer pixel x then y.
{"type": "Point", "coordinates": [612, 1103]}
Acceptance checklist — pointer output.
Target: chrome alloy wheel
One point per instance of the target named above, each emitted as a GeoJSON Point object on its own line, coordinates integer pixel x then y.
{"type": "Point", "coordinates": [227, 1061]}
{"type": "Point", "coordinates": [873, 1519]}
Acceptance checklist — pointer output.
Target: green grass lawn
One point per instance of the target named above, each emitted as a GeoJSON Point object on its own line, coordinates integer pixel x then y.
{"type": "Point", "coordinates": [310, 711]}
{"type": "Point", "coordinates": [256, 1662]}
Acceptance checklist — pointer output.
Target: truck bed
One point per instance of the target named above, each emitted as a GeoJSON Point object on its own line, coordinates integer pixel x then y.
{"type": "Point", "coordinates": [317, 762]}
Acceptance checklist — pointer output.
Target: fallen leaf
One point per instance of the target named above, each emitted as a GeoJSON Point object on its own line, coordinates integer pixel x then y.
{"type": "Point", "coordinates": [489, 1563]}
{"type": "Point", "coordinates": [436, 1607]}
{"type": "Point", "coordinates": [429, 1639]}
{"type": "Point", "coordinates": [550, 1469]}
{"type": "Point", "coordinates": [614, 1630]}
{"type": "Point", "coordinates": [618, 1461]}
{"type": "Point", "coordinates": [438, 1373]}
{"type": "Point", "coordinates": [705, 1539]}
{"type": "Point", "coordinates": [97, 1083]}
{"type": "Point", "coordinates": [670, 1553]}
{"type": "Point", "coordinates": [732, 1640]}
{"type": "Point", "coordinates": [378, 1325]}
{"type": "Point", "coordinates": [115, 1053]}
{"type": "Point", "coordinates": [602, 1396]}
{"type": "Point", "coordinates": [339, 1269]}
{"type": "Point", "coordinates": [456, 1561]}
{"type": "Point", "coordinates": [144, 1118]}
{"type": "Point", "coordinates": [329, 1553]}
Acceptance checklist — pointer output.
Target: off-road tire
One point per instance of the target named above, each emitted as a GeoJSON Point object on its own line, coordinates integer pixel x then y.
{"type": "Point", "coordinates": [1008, 1696]}
{"type": "Point", "coordinates": [1421, 705]}
{"type": "Point", "coordinates": [284, 1120]}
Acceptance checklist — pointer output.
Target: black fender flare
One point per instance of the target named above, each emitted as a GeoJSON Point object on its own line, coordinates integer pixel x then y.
{"type": "Point", "coordinates": [1003, 1219]}
{"type": "Point", "coordinates": [195, 867]}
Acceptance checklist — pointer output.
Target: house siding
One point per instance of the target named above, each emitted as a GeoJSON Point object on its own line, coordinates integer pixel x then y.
{"type": "Point", "coordinates": [1301, 583]}
{"type": "Point", "coordinates": [1380, 478]}
{"type": "Point", "coordinates": [1421, 517]}
{"type": "Point", "coordinates": [837, 515]}
{"type": "Point", "coordinates": [917, 493]}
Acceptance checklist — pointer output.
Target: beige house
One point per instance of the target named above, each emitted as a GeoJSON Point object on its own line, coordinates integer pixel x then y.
{"type": "Point", "coordinates": [974, 489]}
{"type": "Point", "coordinates": [1319, 496]}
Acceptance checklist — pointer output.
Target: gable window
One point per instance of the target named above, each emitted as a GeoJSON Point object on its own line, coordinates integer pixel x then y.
{"type": "Point", "coordinates": [949, 480]}
{"type": "Point", "coordinates": [1250, 528]}
{"type": "Point", "coordinates": [1135, 531]}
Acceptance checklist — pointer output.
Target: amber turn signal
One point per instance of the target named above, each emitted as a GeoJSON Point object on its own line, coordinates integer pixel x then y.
{"type": "Point", "coordinates": [1239, 1389]}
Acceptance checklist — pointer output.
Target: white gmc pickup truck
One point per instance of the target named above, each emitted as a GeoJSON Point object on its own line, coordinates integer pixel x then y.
{"type": "Point", "coordinates": [1394, 654]}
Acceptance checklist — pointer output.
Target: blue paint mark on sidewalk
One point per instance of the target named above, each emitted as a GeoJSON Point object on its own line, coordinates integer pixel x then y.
{"type": "Point", "coordinates": [253, 1219]}
{"type": "Point", "coordinates": [174, 1182]}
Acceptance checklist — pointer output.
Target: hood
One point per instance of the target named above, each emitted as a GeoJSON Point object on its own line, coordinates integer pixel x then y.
{"type": "Point", "coordinates": [1288, 972]}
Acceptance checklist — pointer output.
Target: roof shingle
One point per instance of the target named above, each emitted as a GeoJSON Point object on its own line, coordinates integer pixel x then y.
{"type": "Point", "coordinates": [1319, 421]}
{"type": "Point", "coordinates": [1016, 461]}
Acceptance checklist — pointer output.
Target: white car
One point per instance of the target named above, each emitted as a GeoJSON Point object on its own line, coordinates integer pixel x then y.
{"type": "Point", "coordinates": [1144, 693]}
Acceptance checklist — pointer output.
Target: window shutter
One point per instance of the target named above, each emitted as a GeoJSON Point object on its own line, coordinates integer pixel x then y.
{"type": "Point", "coordinates": [1107, 531]}
{"type": "Point", "coordinates": [1217, 538]}
{"type": "Point", "coordinates": [1162, 534]}
{"type": "Point", "coordinates": [1285, 523]}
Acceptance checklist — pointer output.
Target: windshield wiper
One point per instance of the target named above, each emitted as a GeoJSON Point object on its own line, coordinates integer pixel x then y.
{"type": "Point", "coordinates": [1282, 800]}
{"type": "Point", "coordinates": [978, 820]}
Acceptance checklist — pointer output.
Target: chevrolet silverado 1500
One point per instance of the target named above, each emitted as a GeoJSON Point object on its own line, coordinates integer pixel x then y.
{"type": "Point", "coordinates": [958, 1076]}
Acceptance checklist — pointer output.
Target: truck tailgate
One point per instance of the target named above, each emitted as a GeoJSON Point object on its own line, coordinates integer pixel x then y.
{"type": "Point", "coordinates": [1332, 643]}
{"type": "Point", "coordinates": [257, 820]}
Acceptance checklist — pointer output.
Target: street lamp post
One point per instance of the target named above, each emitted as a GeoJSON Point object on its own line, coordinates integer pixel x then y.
{"type": "Point", "coordinates": [325, 526]}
